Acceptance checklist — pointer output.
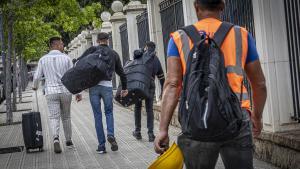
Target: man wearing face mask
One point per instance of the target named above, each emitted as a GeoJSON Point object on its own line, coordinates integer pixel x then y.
{"type": "Point", "coordinates": [157, 71]}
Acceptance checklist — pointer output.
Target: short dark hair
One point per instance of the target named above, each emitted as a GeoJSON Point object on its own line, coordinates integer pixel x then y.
{"type": "Point", "coordinates": [212, 5]}
{"type": "Point", "coordinates": [150, 44]}
{"type": "Point", "coordinates": [53, 39]}
{"type": "Point", "coordinates": [102, 36]}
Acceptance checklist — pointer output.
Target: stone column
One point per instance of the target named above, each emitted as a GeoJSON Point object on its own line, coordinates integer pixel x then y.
{"type": "Point", "coordinates": [272, 46]}
{"type": "Point", "coordinates": [189, 12]}
{"type": "Point", "coordinates": [78, 46]}
{"type": "Point", "coordinates": [131, 10]}
{"type": "Point", "coordinates": [84, 40]}
{"type": "Point", "coordinates": [94, 34]}
{"type": "Point", "coordinates": [106, 25]}
{"type": "Point", "coordinates": [156, 35]}
{"type": "Point", "coordinates": [117, 20]}
{"type": "Point", "coordinates": [75, 47]}
{"type": "Point", "coordinates": [66, 50]}
{"type": "Point", "coordinates": [70, 49]}
{"type": "Point", "coordinates": [72, 55]}
{"type": "Point", "coordinates": [74, 52]}
{"type": "Point", "coordinates": [89, 41]}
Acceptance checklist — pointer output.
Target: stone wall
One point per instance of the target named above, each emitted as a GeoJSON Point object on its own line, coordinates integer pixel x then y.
{"type": "Point", "coordinates": [280, 149]}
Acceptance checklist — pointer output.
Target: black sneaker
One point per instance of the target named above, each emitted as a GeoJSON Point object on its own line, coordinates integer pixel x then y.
{"type": "Point", "coordinates": [137, 135]}
{"type": "Point", "coordinates": [69, 144]}
{"type": "Point", "coordinates": [151, 137]}
{"type": "Point", "coordinates": [57, 148]}
{"type": "Point", "coordinates": [112, 141]}
{"type": "Point", "coordinates": [101, 150]}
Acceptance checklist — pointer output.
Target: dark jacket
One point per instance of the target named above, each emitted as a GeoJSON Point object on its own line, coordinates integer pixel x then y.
{"type": "Point", "coordinates": [116, 62]}
{"type": "Point", "coordinates": [156, 68]}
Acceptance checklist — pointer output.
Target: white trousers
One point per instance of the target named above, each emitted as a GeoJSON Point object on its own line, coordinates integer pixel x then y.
{"type": "Point", "coordinates": [59, 107]}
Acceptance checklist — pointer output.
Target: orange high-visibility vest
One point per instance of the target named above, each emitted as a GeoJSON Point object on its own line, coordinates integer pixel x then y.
{"type": "Point", "coordinates": [234, 48]}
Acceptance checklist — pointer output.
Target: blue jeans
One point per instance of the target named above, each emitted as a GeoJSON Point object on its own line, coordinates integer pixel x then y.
{"type": "Point", "coordinates": [96, 94]}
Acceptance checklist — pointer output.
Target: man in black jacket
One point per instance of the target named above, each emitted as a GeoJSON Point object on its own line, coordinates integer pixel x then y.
{"type": "Point", "coordinates": [104, 91]}
{"type": "Point", "coordinates": [158, 72]}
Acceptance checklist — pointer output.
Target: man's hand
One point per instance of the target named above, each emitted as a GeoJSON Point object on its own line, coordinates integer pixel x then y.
{"type": "Point", "coordinates": [78, 97]}
{"type": "Point", "coordinates": [124, 93]}
{"type": "Point", "coordinates": [257, 126]}
{"type": "Point", "coordinates": [161, 143]}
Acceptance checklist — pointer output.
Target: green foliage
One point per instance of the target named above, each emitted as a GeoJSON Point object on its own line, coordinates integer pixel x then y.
{"type": "Point", "coordinates": [35, 21]}
{"type": "Point", "coordinates": [32, 36]}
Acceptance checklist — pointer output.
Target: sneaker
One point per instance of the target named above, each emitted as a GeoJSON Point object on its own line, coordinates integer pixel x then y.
{"type": "Point", "coordinates": [112, 141]}
{"type": "Point", "coordinates": [137, 135]}
{"type": "Point", "coordinates": [151, 137]}
{"type": "Point", "coordinates": [69, 144]}
{"type": "Point", "coordinates": [57, 148]}
{"type": "Point", "coordinates": [101, 150]}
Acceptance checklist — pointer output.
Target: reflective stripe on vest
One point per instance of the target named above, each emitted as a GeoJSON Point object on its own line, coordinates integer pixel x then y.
{"type": "Point", "coordinates": [235, 73]}
{"type": "Point", "coordinates": [186, 47]}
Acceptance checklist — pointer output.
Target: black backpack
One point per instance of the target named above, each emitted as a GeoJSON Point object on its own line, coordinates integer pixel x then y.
{"type": "Point", "coordinates": [88, 71]}
{"type": "Point", "coordinates": [209, 110]}
{"type": "Point", "coordinates": [139, 79]}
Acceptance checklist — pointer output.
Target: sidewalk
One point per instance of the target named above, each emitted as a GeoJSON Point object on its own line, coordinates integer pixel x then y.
{"type": "Point", "coordinates": [131, 154]}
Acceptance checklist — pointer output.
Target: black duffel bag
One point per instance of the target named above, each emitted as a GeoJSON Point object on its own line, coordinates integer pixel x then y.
{"type": "Point", "coordinates": [88, 72]}
{"type": "Point", "coordinates": [139, 79]}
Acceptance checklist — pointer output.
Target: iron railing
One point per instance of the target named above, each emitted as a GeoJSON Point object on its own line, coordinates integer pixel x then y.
{"type": "Point", "coordinates": [124, 43]}
{"type": "Point", "coordinates": [240, 13]}
{"type": "Point", "coordinates": [143, 28]}
{"type": "Point", "coordinates": [171, 19]}
{"type": "Point", "coordinates": [292, 12]}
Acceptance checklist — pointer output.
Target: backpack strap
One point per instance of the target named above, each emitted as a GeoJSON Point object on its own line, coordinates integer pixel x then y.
{"type": "Point", "coordinates": [192, 33]}
{"type": "Point", "coordinates": [222, 32]}
{"type": "Point", "coordinates": [219, 38]}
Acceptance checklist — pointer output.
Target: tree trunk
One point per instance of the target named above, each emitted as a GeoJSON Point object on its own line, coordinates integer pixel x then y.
{"type": "Point", "coordinates": [9, 113]}
{"type": "Point", "coordinates": [20, 78]}
{"type": "Point", "coordinates": [2, 53]}
{"type": "Point", "coordinates": [14, 103]}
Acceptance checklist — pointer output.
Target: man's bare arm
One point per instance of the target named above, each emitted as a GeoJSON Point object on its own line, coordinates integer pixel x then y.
{"type": "Point", "coordinates": [259, 90]}
{"type": "Point", "coordinates": [172, 89]}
